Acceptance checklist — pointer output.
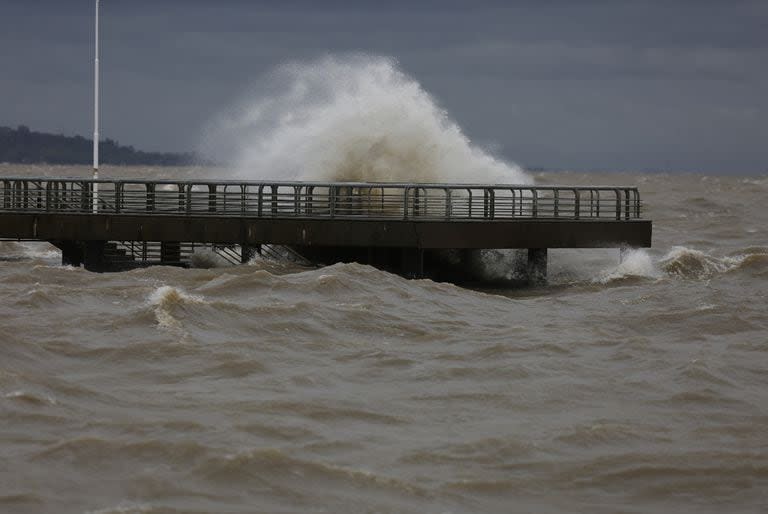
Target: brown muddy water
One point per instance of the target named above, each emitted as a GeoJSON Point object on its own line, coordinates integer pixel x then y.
{"type": "Point", "coordinates": [640, 387]}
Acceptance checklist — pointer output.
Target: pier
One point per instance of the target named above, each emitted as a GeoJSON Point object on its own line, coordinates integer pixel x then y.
{"type": "Point", "coordinates": [118, 224]}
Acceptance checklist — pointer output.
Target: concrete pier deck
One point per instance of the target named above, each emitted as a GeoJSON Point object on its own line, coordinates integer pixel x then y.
{"type": "Point", "coordinates": [349, 220]}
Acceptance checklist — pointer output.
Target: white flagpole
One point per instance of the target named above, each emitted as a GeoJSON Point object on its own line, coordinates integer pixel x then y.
{"type": "Point", "coordinates": [96, 117]}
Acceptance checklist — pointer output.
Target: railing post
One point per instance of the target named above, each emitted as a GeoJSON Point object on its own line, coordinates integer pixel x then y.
{"type": "Point", "coordinates": [535, 207]}
{"type": "Point", "coordinates": [243, 188]}
{"type": "Point", "coordinates": [211, 197]}
{"type": "Point", "coordinates": [39, 205]}
{"type": "Point", "coordinates": [618, 203]}
{"type": "Point", "coordinates": [188, 205]}
{"type": "Point", "coordinates": [469, 199]}
{"type": "Point", "coordinates": [87, 200]}
{"type": "Point", "coordinates": [274, 199]}
{"type": "Point", "coordinates": [626, 206]}
{"type": "Point", "coordinates": [150, 188]}
{"type": "Point", "coordinates": [556, 194]}
{"type": "Point", "coordinates": [448, 204]}
{"type": "Point", "coordinates": [576, 203]}
{"type": "Point", "coordinates": [6, 194]}
{"type": "Point", "coordinates": [492, 205]}
{"type": "Point", "coordinates": [182, 197]}
{"type": "Point", "coordinates": [405, 202]}
{"type": "Point", "coordinates": [17, 195]}
{"type": "Point", "coordinates": [597, 204]}
{"type": "Point", "coordinates": [118, 196]}
{"type": "Point", "coordinates": [637, 203]}
{"type": "Point", "coordinates": [309, 200]}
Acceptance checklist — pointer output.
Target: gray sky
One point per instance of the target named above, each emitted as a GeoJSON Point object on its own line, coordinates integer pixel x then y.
{"type": "Point", "coordinates": [596, 84]}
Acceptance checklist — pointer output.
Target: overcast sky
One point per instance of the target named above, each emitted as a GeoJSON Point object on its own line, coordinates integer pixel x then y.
{"type": "Point", "coordinates": [633, 85]}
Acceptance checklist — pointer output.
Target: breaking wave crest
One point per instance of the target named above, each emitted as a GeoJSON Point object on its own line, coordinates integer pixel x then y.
{"type": "Point", "coordinates": [694, 264]}
{"type": "Point", "coordinates": [349, 118]}
{"type": "Point", "coordinates": [685, 263]}
{"type": "Point", "coordinates": [165, 299]}
{"type": "Point", "coordinates": [635, 264]}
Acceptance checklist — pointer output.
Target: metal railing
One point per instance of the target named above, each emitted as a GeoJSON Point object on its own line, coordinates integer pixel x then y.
{"type": "Point", "coordinates": [419, 202]}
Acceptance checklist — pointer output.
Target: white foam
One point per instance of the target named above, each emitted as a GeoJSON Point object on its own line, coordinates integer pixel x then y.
{"type": "Point", "coordinates": [635, 263]}
{"type": "Point", "coordinates": [163, 299]}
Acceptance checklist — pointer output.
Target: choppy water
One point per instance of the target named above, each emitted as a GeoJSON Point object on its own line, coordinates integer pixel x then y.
{"type": "Point", "coordinates": [640, 387]}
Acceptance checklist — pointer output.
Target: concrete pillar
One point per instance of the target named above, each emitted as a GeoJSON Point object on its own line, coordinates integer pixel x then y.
{"type": "Point", "coordinates": [94, 256]}
{"type": "Point", "coordinates": [247, 252]}
{"type": "Point", "coordinates": [537, 266]}
{"type": "Point", "coordinates": [170, 252]}
{"type": "Point", "coordinates": [71, 253]}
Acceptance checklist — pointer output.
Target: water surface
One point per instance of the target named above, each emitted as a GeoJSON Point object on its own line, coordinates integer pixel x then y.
{"type": "Point", "coordinates": [635, 387]}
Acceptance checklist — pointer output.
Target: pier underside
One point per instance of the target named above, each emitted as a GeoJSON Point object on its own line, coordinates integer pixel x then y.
{"type": "Point", "coordinates": [412, 248]}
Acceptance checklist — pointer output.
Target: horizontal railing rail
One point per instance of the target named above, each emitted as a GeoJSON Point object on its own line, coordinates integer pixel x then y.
{"type": "Point", "coordinates": [417, 202]}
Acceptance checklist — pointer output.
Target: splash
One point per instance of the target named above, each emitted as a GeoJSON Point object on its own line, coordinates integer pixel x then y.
{"type": "Point", "coordinates": [206, 258]}
{"type": "Point", "coordinates": [350, 118]}
{"type": "Point", "coordinates": [635, 263]}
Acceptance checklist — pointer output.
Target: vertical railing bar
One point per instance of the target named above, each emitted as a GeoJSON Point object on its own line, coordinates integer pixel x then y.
{"type": "Point", "coordinates": [332, 201]}
{"type": "Point", "coordinates": [188, 206]}
{"type": "Point", "coordinates": [118, 196]}
{"type": "Point", "coordinates": [577, 203]}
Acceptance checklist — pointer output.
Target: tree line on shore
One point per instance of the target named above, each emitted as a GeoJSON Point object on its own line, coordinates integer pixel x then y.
{"type": "Point", "coordinates": [24, 146]}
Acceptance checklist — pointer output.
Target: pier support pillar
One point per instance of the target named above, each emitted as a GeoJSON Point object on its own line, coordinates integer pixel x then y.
{"type": "Point", "coordinates": [248, 252]}
{"type": "Point", "coordinates": [170, 252]}
{"type": "Point", "coordinates": [537, 266]}
{"type": "Point", "coordinates": [413, 262]}
{"type": "Point", "coordinates": [94, 256]}
{"type": "Point", "coordinates": [71, 253]}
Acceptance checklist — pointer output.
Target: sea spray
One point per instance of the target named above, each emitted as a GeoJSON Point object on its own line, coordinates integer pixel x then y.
{"type": "Point", "coordinates": [635, 263]}
{"type": "Point", "coordinates": [348, 118]}
{"type": "Point", "coordinates": [352, 118]}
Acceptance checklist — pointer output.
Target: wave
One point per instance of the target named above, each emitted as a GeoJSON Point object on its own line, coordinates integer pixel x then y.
{"type": "Point", "coordinates": [13, 251]}
{"type": "Point", "coordinates": [684, 263]}
{"type": "Point", "coordinates": [349, 118]}
{"type": "Point", "coordinates": [694, 264]}
{"type": "Point", "coordinates": [635, 264]}
{"type": "Point", "coordinates": [275, 466]}
{"type": "Point", "coordinates": [165, 299]}
{"type": "Point", "coordinates": [30, 398]}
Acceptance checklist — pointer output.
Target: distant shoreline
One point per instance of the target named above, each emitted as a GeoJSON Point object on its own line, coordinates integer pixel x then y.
{"type": "Point", "coordinates": [24, 146]}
